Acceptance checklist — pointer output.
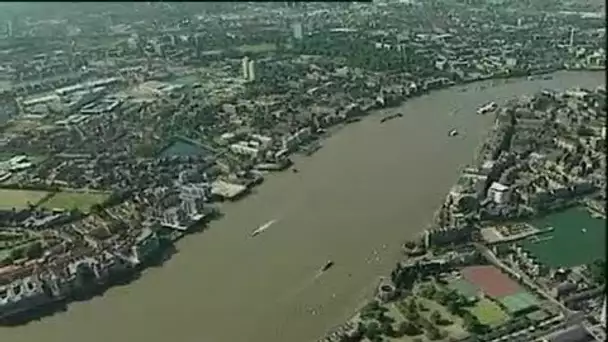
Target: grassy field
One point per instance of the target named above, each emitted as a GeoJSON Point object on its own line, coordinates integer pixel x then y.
{"type": "Point", "coordinates": [489, 313]}
{"type": "Point", "coordinates": [267, 47]}
{"type": "Point", "coordinates": [454, 329]}
{"type": "Point", "coordinates": [74, 200]}
{"type": "Point", "coordinates": [19, 199]}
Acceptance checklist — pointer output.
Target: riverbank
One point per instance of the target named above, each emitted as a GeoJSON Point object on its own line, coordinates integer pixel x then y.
{"type": "Point", "coordinates": [350, 197]}
{"type": "Point", "coordinates": [348, 325]}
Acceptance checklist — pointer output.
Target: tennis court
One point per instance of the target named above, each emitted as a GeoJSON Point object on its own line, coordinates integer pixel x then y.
{"type": "Point", "coordinates": [463, 287]}
{"type": "Point", "coordinates": [520, 302]}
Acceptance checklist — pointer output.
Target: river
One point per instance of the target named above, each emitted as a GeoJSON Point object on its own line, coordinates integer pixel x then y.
{"type": "Point", "coordinates": [371, 187]}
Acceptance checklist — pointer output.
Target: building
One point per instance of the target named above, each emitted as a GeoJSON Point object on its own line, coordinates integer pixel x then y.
{"type": "Point", "coordinates": [563, 289]}
{"type": "Point", "coordinates": [291, 141]}
{"type": "Point", "coordinates": [245, 68]}
{"type": "Point", "coordinates": [21, 293]}
{"type": "Point", "coordinates": [251, 71]}
{"type": "Point", "coordinates": [146, 245]}
{"type": "Point", "coordinates": [446, 236]}
{"type": "Point", "coordinates": [386, 291]}
{"type": "Point", "coordinates": [571, 42]}
{"type": "Point", "coordinates": [297, 30]}
{"type": "Point", "coordinates": [569, 334]}
{"type": "Point", "coordinates": [499, 193]}
{"type": "Point", "coordinates": [264, 141]}
{"type": "Point", "coordinates": [603, 315]}
{"type": "Point", "coordinates": [195, 191]}
{"type": "Point", "coordinates": [244, 149]}
{"type": "Point", "coordinates": [488, 167]}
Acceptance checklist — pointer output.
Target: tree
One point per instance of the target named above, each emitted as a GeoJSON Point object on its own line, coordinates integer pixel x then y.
{"type": "Point", "coordinates": [383, 318]}
{"type": "Point", "coordinates": [372, 310]}
{"type": "Point", "coordinates": [412, 315]}
{"type": "Point", "coordinates": [472, 324]}
{"type": "Point", "coordinates": [360, 331]}
{"type": "Point", "coordinates": [408, 328]}
{"type": "Point", "coordinates": [372, 306]}
{"type": "Point", "coordinates": [34, 250]}
{"type": "Point", "coordinates": [452, 296]}
{"type": "Point", "coordinates": [96, 208]}
{"type": "Point", "coordinates": [428, 291]}
{"type": "Point", "coordinates": [454, 307]}
{"type": "Point", "coordinates": [441, 297]}
{"type": "Point", "coordinates": [387, 328]}
{"type": "Point", "coordinates": [411, 310]}
{"type": "Point", "coordinates": [345, 338]}
{"type": "Point", "coordinates": [435, 317]}
{"type": "Point", "coordinates": [372, 330]}
{"type": "Point", "coordinates": [433, 333]}
{"type": "Point", "coordinates": [412, 305]}
{"type": "Point", "coordinates": [422, 307]}
{"type": "Point", "coordinates": [17, 253]}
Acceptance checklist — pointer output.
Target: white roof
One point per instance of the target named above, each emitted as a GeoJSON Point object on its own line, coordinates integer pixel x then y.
{"type": "Point", "coordinates": [488, 164]}
{"type": "Point", "coordinates": [499, 187]}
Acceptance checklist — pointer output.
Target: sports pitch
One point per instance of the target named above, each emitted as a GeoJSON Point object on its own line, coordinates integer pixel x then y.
{"type": "Point", "coordinates": [19, 199]}
{"type": "Point", "coordinates": [74, 200]}
{"type": "Point", "coordinates": [488, 313]}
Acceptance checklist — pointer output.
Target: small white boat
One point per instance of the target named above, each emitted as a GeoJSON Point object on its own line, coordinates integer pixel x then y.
{"type": "Point", "coordinates": [453, 133]}
{"type": "Point", "coordinates": [262, 228]}
{"type": "Point", "coordinates": [487, 108]}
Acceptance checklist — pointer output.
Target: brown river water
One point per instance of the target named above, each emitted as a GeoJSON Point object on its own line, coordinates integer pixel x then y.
{"type": "Point", "coordinates": [369, 188]}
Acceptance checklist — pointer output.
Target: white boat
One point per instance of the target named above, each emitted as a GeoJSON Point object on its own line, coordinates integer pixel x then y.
{"type": "Point", "coordinates": [262, 228]}
{"type": "Point", "coordinates": [487, 108]}
{"type": "Point", "coordinates": [453, 133]}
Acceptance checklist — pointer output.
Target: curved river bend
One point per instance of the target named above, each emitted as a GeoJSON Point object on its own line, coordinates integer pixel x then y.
{"type": "Point", "coordinates": [372, 186]}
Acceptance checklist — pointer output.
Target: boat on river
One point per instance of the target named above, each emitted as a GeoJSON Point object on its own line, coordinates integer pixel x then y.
{"type": "Point", "coordinates": [262, 228]}
{"type": "Point", "coordinates": [487, 108]}
{"type": "Point", "coordinates": [327, 266]}
{"type": "Point", "coordinates": [391, 117]}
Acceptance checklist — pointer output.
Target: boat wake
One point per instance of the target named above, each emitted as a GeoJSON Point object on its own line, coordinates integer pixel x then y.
{"type": "Point", "coordinates": [262, 228]}
{"type": "Point", "coordinates": [300, 288]}
{"type": "Point", "coordinates": [308, 282]}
